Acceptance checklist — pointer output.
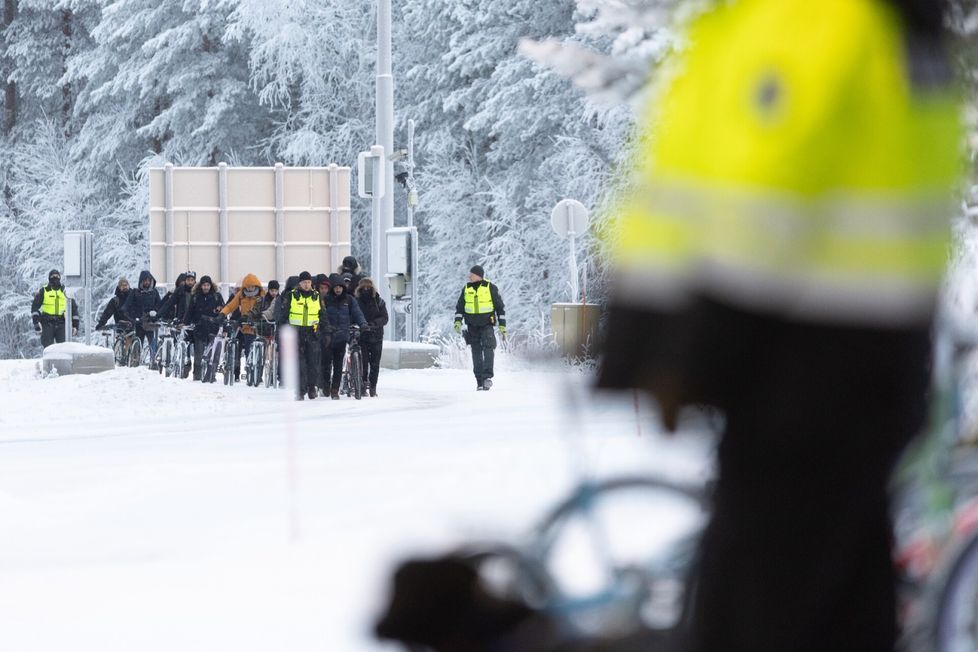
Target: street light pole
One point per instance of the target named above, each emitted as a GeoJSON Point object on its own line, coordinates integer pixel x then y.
{"type": "Point", "coordinates": [384, 207]}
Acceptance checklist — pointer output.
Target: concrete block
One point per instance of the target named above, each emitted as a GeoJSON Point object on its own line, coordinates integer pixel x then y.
{"type": "Point", "coordinates": [72, 358]}
{"type": "Point", "coordinates": [408, 355]}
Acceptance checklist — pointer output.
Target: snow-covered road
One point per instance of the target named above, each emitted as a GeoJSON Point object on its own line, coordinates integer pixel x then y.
{"type": "Point", "coordinates": [153, 514]}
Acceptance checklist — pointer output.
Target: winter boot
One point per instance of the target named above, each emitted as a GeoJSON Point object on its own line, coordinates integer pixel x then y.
{"type": "Point", "coordinates": [312, 393]}
{"type": "Point", "coordinates": [373, 392]}
{"type": "Point", "coordinates": [478, 385]}
{"type": "Point", "coordinates": [334, 394]}
{"type": "Point", "coordinates": [486, 384]}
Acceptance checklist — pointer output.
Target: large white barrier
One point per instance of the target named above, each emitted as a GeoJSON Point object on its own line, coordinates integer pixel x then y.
{"type": "Point", "coordinates": [230, 221]}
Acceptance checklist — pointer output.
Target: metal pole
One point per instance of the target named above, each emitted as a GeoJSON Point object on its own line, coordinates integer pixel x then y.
{"type": "Point", "coordinates": [412, 195]}
{"type": "Point", "coordinates": [280, 222]}
{"type": "Point", "coordinates": [572, 237]}
{"type": "Point", "coordinates": [385, 138]}
{"type": "Point", "coordinates": [414, 285]}
{"type": "Point", "coordinates": [222, 201]}
{"type": "Point", "coordinates": [168, 226]}
{"type": "Point", "coordinates": [335, 259]}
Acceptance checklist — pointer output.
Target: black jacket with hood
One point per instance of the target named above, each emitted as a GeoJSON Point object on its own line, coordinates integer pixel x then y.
{"type": "Point", "coordinates": [140, 302]}
{"type": "Point", "coordinates": [113, 309]}
{"type": "Point", "coordinates": [205, 309]}
{"type": "Point", "coordinates": [374, 311]}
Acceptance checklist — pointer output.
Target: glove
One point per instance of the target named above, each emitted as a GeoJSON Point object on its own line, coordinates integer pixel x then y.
{"type": "Point", "coordinates": [74, 331]}
{"type": "Point", "coordinates": [152, 313]}
{"type": "Point", "coordinates": [502, 331]}
{"type": "Point", "coordinates": [37, 327]}
{"type": "Point", "coordinates": [458, 326]}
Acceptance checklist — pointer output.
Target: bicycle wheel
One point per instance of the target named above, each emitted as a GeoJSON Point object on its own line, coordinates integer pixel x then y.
{"type": "Point", "coordinates": [231, 357]}
{"type": "Point", "coordinates": [183, 359]}
{"type": "Point", "coordinates": [213, 360]}
{"type": "Point", "coordinates": [119, 352]}
{"type": "Point", "coordinates": [956, 592]}
{"type": "Point", "coordinates": [135, 352]}
{"type": "Point", "coordinates": [256, 360]}
{"type": "Point", "coordinates": [619, 554]}
{"type": "Point", "coordinates": [164, 357]}
{"type": "Point", "coordinates": [356, 375]}
{"type": "Point", "coordinates": [271, 365]}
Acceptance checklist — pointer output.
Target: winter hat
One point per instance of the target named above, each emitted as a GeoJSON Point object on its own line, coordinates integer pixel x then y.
{"type": "Point", "coordinates": [123, 279]}
{"type": "Point", "coordinates": [205, 279]}
{"type": "Point", "coordinates": [54, 273]}
{"type": "Point", "coordinates": [320, 279]}
{"type": "Point", "coordinates": [336, 279]}
{"type": "Point", "coordinates": [478, 271]}
{"type": "Point", "coordinates": [273, 285]}
{"type": "Point", "coordinates": [350, 263]}
{"type": "Point", "coordinates": [305, 276]}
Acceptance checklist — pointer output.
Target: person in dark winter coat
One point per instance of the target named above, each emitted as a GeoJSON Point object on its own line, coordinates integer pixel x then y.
{"type": "Point", "coordinates": [279, 309]}
{"type": "Point", "coordinates": [204, 312]}
{"type": "Point", "coordinates": [113, 309]}
{"type": "Point", "coordinates": [176, 302]}
{"type": "Point", "coordinates": [48, 311]}
{"type": "Point", "coordinates": [351, 273]}
{"type": "Point", "coordinates": [321, 283]}
{"type": "Point", "coordinates": [141, 306]}
{"type": "Point", "coordinates": [481, 306]}
{"type": "Point", "coordinates": [305, 313]}
{"type": "Point", "coordinates": [269, 297]}
{"type": "Point", "coordinates": [372, 340]}
{"type": "Point", "coordinates": [342, 311]}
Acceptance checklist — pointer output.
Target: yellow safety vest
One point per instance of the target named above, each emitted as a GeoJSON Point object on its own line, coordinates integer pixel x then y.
{"type": "Point", "coordinates": [792, 165]}
{"type": "Point", "coordinates": [54, 302]}
{"type": "Point", "coordinates": [478, 301]}
{"type": "Point", "coordinates": [304, 311]}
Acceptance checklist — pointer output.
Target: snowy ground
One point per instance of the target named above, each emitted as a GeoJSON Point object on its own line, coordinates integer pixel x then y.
{"type": "Point", "coordinates": [153, 514]}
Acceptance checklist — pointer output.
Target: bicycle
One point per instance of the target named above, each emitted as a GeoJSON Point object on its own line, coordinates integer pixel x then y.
{"type": "Point", "coordinates": [937, 517]}
{"type": "Point", "coordinates": [215, 354]}
{"type": "Point", "coordinates": [270, 368]}
{"type": "Point", "coordinates": [255, 361]}
{"type": "Point", "coordinates": [166, 347]}
{"type": "Point", "coordinates": [118, 338]}
{"type": "Point", "coordinates": [140, 355]}
{"type": "Point", "coordinates": [351, 381]}
{"type": "Point", "coordinates": [182, 358]}
{"type": "Point", "coordinates": [641, 585]}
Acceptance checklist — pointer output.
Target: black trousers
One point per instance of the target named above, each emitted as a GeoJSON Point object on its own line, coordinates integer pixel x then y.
{"type": "Point", "coordinates": [52, 331]}
{"type": "Point", "coordinates": [797, 553]}
{"type": "Point", "coordinates": [309, 358]}
{"type": "Point", "coordinates": [482, 339]}
{"type": "Point", "coordinates": [325, 361]}
{"type": "Point", "coordinates": [337, 350]}
{"type": "Point", "coordinates": [371, 352]}
{"type": "Point", "coordinates": [245, 340]}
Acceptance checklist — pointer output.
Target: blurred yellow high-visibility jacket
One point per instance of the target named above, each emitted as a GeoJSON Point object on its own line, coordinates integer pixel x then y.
{"type": "Point", "coordinates": [802, 161]}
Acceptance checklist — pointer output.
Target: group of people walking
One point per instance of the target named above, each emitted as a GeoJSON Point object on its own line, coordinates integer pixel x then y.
{"type": "Point", "coordinates": [322, 309]}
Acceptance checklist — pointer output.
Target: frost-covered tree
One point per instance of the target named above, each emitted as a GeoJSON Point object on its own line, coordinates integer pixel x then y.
{"type": "Point", "coordinates": [522, 136]}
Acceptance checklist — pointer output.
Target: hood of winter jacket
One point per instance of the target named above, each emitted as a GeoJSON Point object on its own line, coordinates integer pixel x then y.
{"type": "Point", "coordinates": [200, 284]}
{"type": "Point", "coordinates": [143, 275]}
{"type": "Point", "coordinates": [251, 280]}
{"type": "Point", "coordinates": [336, 280]}
{"type": "Point", "coordinates": [291, 283]}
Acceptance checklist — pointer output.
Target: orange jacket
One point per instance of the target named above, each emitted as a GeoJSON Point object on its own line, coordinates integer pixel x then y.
{"type": "Point", "coordinates": [247, 305]}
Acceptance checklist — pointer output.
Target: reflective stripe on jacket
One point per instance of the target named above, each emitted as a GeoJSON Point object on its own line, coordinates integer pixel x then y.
{"type": "Point", "coordinates": [478, 301]}
{"type": "Point", "coordinates": [799, 164]}
{"type": "Point", "coordinates": [304, 310]}
{"type": "Point", "coordinates": [54, 302]}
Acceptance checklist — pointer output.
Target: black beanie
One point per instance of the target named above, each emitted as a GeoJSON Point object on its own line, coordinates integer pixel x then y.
{"type": "Point", "coordinates": [478, 271]}
{"type": "Point", "coordinates": [305, 276]}
{"type": "Point", "coordinates": [273, 285]}
{"type": "Point", "coordinates": [54, 272]}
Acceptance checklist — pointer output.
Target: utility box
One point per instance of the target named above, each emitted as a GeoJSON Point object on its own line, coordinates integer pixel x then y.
{"type": "Point", "coordinates": [575, 328]}
{"type": "Point", "coordinates": [399, 251]}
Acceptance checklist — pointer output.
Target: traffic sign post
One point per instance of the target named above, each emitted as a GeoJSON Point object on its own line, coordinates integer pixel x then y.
{"type": "Point", "coordinates": [79, 272]}
{"type": "Point", "coordinates": [568, 219]}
